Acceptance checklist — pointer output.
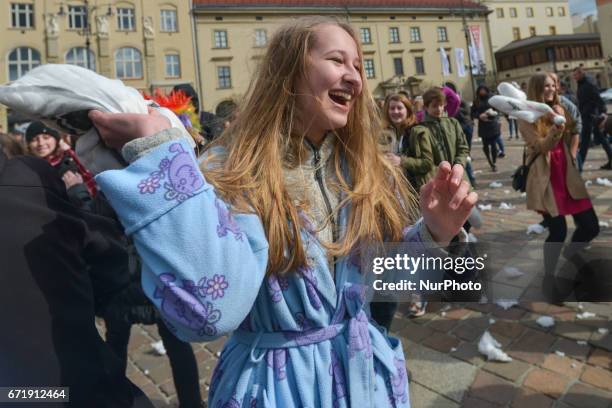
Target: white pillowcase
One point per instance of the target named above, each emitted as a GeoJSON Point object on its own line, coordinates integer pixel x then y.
{"type": "Point", "coordinates": [61, 95]}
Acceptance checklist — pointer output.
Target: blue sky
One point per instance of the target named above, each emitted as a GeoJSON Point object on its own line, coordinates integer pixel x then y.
{"type": "Point", "coordinates": [582, 7]}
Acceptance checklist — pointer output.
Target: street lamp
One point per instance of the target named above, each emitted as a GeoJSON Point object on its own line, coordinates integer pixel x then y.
{"type": "Point", "coordinates": [86, 29]}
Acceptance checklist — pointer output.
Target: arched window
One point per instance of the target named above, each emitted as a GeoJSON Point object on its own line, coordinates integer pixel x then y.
{"type": "Point", "coordinates": [78, 56]}
{"type": "Point", "coordinates": [21, 60]}
{"type": "Point", "coordinates": [128, 63]}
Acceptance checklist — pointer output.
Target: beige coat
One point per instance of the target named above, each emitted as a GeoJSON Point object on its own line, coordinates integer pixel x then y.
{"type": "Point", "coordinates": [540, 196]}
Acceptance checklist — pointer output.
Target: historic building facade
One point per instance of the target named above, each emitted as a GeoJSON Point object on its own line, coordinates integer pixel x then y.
{"type": "Point", "coordinates": [145, 43]}
{"type": "Point", "coordinates": [401, 41]}
{"type": "Point", "coordinates": [512, 20]}
{"type": "Point", "coordinates": [519, 60]}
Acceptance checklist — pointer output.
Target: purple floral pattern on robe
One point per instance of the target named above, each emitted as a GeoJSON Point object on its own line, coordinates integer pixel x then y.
{"type": "Point", "coordinates": [274, 289]}
{"type": "Point", "coordinates": [311, 286]}
{"type": "Point", "coordinates": [399, 382]}
{"type": "Point", "coordinates": [180, 304]}
{"type": "Point", "coordinates": [216, 286]}
{"type": "Point", "coordinates": [149, 185]}
{"type": "Point", "coordinates": [226, 222]}
{"type": "Point", "coordinates": [306, 222]}
{"type": "Point", "coordinates": [359, 337]}
{"type": "Point", "coordinates": [277, 360]}
{"type": "Point", "coordinates": [338, 382]}
{"type": "Point", "coordinates": [283, 282]}
{"type": "Point", "coordinates": [231, 403]}
{"type": "Point", "coordinates": [180, 173]}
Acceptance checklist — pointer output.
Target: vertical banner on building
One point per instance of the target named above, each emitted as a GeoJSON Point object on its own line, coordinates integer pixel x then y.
{"type": "Point", "coordinates": [477, 50]}
{"type": "Point", "coordinates": [459, 60]}
{"type": "Point", "coordinates": [444, 62]}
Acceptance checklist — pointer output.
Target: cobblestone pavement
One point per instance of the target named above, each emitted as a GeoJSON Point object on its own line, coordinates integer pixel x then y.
{"type": "Point", "coordinates": [567, 365]}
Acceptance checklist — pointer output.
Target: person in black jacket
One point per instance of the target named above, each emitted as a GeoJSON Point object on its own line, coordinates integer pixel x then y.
{"type": "Point", "coordinates": [54, 256]}
{"type": "Point", "coordinates": [45, 143]}
{"type": "Point", "coordinates": [593, 111]}
{"type": "Point", "coordinates": [489, 129]}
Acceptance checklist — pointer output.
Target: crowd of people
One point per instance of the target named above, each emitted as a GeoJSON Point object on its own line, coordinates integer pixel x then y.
{"type": "Point", "coordinates": [254, 232]}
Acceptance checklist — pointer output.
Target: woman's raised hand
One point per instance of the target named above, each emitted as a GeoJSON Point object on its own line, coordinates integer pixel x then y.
{"type": "Point", "coordinates": [116, 129]}
{"type": "Point", "coordinates": [446, 202]}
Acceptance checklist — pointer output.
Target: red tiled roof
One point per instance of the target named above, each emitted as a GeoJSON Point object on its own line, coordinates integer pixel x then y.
{"type": "Point", "coordinates": [428, 4]}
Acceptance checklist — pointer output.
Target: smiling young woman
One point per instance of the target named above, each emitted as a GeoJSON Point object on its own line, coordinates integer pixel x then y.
{"type": "Point", "coordinates": [263, 239]}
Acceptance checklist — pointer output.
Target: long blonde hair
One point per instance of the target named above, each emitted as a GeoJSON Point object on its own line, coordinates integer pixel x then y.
{"type": "Point", "coordinates": [410, 115]}
{"type": "Point", "coordinates": [263, 140]}
{"type": "Point", "coordinates": [535, 92]}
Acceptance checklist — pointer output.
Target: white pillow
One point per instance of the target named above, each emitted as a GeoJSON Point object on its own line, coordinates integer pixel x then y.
{"type": "Point", "coordinates": [61, 95]}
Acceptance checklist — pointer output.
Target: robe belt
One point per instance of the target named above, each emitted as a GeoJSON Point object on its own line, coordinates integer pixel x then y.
{"type": "Point", "coordinates": [363, 340]}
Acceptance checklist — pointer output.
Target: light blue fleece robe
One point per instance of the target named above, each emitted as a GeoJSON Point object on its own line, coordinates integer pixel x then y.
{"type": "Point", "coordinates": [303, 340]}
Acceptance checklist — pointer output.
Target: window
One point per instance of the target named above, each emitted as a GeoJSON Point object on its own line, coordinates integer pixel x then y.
{"type": "Point", "coordinates": [563, 53]}
{"type": "Point", "coordinates": [552, 30]}
{"type": "Point", "coordinates": [561, 11]}
{"type": "Point", "coordinates": [549, 11]}
{"type": "Point", "coordinates": [419, 65]}
{"type": "Point", "coordinates": [224, 77]}
{"type": "Point", "coordinates": [128, 63]}
{"type": "Point", "coordinates": [77, 17]}
{"type": "Point", "coordinates": [221, 39]}
{"type": "Point", "coordinates": [173, 65]}
{"type": "Point", "coordinates": [398, 66]}
{"type": "Point", "coordinates": [415, 34]}
{"type": "Point", "coordinates": [541, 55]}
{"type": "Point", "coordinates": [499, 12]}
{"type": "Point", "coordinates": [366, 35]}
{"type": "Point", "coordinates": [513, 13]}
{"type": "Point", "coordinates": [442, 35]}
{"type": "Point", "coordinates": [532, 31]}
{"type": "Point", "coordinates": [125, 19]}
{"type": "Point", "coordinates": [578, 52]}
{"type": "Point", "coordinates": [168, 21]}
{"type": "Point", "coordinates": [394, 35]}
{"type": "Point", "coordinates": [78, 56]}
{"type": "Point", "coordinates": [21, 60]}
{"type": "Point", "coordinates": [516, 33]}
{"type": "Point", "coordinates": [261, 37]}
{"type": "Point", "coordinates": [593, 51]}
{"type": "Point", "coordinates": [368, 66]}
{"type": "Point", "coordinates": [529, 11]}
{"type": "Point", "coordinates": [22, 15]}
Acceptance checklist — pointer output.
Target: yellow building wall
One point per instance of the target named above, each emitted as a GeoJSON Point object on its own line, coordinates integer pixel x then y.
{"type": "Point", "coordinates": [501, 27]}
{"type": "Point", "coordinates": [242, 56]}
{"type": "Point", "coordinates": [53, 48]}
{"type": "Point", "coordinates": [604, 20]}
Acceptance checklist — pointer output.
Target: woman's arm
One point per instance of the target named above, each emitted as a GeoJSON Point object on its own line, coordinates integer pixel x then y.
{"type": "Point", "coordinates": [534, 141]}
{"type": "Point", "coordinates": [202, 265]}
